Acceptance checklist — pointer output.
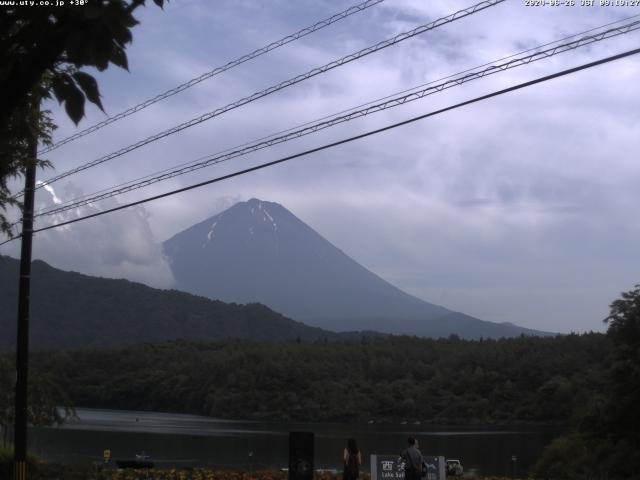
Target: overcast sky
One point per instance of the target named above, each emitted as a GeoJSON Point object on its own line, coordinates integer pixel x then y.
{"type": "Point", "coordinates": [522, 208]}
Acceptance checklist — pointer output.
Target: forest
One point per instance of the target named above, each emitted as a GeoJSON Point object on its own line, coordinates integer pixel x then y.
{"type": "Point", "coordinates": [384, 379]}
{"type": "Point", "coordinates": [588, 383]}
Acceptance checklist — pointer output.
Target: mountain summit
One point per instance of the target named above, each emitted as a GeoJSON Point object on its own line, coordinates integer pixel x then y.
{"type": "Point", "coordinates": [258, 251]}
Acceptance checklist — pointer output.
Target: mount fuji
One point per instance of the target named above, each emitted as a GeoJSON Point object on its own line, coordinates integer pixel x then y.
{"type": "Point", "coordinates": [258, 251]}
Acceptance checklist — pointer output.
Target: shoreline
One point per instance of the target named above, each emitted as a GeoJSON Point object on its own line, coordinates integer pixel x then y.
{"type": "Point", "coordinates": [395, 422]}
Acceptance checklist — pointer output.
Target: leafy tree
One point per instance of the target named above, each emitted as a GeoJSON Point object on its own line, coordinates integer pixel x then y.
{"type": "Point", "coordinates": [624, 402]}
{"type": "Point", "coordinates": [45, 398]}
{"type": "Point", "coordinates": [27, 122]}
{"type": "Point", "coordinates": [43, 51]}
{"type": "Point", "coordinates": [59, 42]}
{"type": "Point", "coordinates": [605, 441]}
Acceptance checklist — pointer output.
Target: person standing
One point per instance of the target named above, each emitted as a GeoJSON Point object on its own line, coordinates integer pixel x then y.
{"type": "Point", "coordinates": [413, 460]}
{"type": "Point", "coordinates": [352, 460]}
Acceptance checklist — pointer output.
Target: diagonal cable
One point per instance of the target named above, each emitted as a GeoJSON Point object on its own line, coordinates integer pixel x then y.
{"type": "Point", "coordinates": [513, 88]}
{"type": "Point", "coordinates": [216, 71]}
{"type": "Point", "coordinates": [388, 103]}
{"type": "Point", "coordinates": [275, 88]}
{"type": "Point", "coordinates": [371, 102]}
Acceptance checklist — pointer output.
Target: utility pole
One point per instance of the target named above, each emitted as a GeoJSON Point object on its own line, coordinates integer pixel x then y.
{"type": "Point", "coordinates": [22, 344]}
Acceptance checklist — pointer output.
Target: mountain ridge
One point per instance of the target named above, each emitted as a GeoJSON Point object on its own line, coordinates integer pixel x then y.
{"type": "Point", "coordinates": [72, 310]}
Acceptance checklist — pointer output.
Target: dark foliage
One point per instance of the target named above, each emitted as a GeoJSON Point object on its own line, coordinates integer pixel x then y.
{"type": "Point", "coordinates": [48, 403]}
{"type": "Point", "coordinates": [530, 380]}
{"type": "Point", "coordinates": [624, 396]}
{"type": "Point", "coordinates": [26, 123]}
{"type": "Point", "coordinates": [55, 43]}
{"type": "Point", "coordinates": [43, 50]}
{"type": "Point", "coordinates": [605, 443]}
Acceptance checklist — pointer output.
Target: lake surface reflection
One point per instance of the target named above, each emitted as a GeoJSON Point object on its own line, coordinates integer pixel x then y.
{"type": "Point", "coordinates": [190, 440]}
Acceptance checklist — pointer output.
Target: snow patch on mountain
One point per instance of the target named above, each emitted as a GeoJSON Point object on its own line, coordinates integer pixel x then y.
{"type": "Point", "coordinates": [210, 234]}
{"type": "Point", "coordinates": [275, 225]}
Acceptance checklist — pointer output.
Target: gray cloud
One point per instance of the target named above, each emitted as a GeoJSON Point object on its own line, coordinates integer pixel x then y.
{"type": "Point", "coordinates": [120, 245]}
{"type": "Point", "coordinates": [516, 209]}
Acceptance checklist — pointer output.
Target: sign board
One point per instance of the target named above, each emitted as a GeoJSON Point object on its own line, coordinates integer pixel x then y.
{"type": "Point", "coordinates": [391, 467]}
{"type": "Point", "coordinates": [107, 455]}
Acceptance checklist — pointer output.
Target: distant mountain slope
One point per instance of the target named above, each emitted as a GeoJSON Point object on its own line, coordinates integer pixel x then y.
{"type": "Point", "coordinates": [71, 310]}
{"type": "Point", "coordinates": [452, 323]}
{"type": "Point", "coordinates": [258, 251]}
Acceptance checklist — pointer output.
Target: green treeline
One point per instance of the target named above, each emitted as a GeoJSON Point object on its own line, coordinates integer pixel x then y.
{"type": "Point", "coordinates": [604, 441]}
{"type": "Point", "coordinates": [526, 379]}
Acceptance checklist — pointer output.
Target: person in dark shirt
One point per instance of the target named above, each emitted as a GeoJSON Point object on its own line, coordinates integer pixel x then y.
{"type": "Point", "coordinates": [413, 460]}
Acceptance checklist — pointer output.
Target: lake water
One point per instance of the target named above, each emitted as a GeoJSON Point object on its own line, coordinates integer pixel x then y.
{"type": "Point", "coordinates": [189, 440]}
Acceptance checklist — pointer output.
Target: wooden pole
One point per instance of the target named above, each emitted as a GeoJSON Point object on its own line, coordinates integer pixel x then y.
{"type": "Point", "coordinates": [22, 344]}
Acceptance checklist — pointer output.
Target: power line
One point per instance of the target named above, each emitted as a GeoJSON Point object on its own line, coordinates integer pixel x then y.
{"type": "Point", "coordinates": [389, 102]}
{"type": "Point", "coordinates": [316, 71]}
{"type": "Point", "coordinates": [216, 71]}
{"type": "Point", "coordinates": [371, 102]}
{"type": "Point", "coordinates": [349, 139]}
{"type": "Point", "coordinates": [88, 195]}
